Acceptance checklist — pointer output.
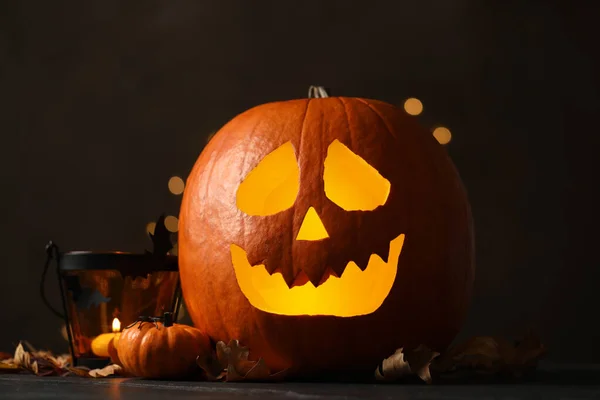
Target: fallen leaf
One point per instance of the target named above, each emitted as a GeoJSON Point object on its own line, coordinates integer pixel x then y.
{"type": "Point", "coordinates": [235, 353]}
{"type": "Point", "coordinates": [419, 360]}
{"type": "Point", "coordinates": [238, 364]}
{"type": "Point", "coordinates": [230, 363]}
{"type": "Point", "coordinates": [34, 368]}
{"type": "Point", "coordinates": [22, 358]}
{"type": "Point", "coordinates": [529, 351]}
{"type": "Point", "coordinates": [278, 376]}
{"type": "Point", "coordinates": [483, 352]}
{"type": "Point", "coordinates": [489, 355]}
{"type": "Point", "coordinates": [50, 365]}
{"type": "Point", "coordinates": [112, 369]}
{"type": "Point", "coordinates": [44, 363]}
{"type": "Point", "coordinates": [5, 356]}
{"type": "Point", "coordinates": [211, 366]}
{"type": "Point", "coordinates": [63, 360]}
{"type": "Point", "coordinates": [79, 371]}
{"type": "Point", "coordinates": [7, 368]}
{"type": "Point", "coordinates": [393, 367]}
{"type": "Point", "coordinates": [222, 354]}
{"type": "Point", "coordinates": [248, 371]}
{"type": "Point", "coordinates": [407, 363]}
{"type": "Point", "coordinates": [258, 371]}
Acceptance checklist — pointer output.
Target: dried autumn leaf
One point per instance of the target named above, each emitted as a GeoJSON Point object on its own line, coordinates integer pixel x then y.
{"type": "Point", "coordinates": [529, 351]}
{"type": "Point", "coordinates": [230, 362]}
{"type": "Point", "coordinates": [419, 360]}
{"type": "Point", "coordinates": [258, 371]}
{"type": "Point", "coordinates": [112, 369]}
{"type": "Point", "coordinates": [5, 356]}
{"type": "Point", "coordinates": [79, 371]}
{"type": "Point", "coordinates": [483, 352]}
{"type": "Point", "coordinates": [222, 354]}
{"type": "Point", "coordinates": [239, 365]}
{"type": "Point", "coordinates": [407, 363]}
{"type": "Point", "coordinates": [248, 371]}
{"type": "Point", "coordinates": [490, 355]}
{"type": "Point", "coordinates": [278, 376]}
{"type": "Point", "coordinates": [9, 368]}
{"type": "Point", "coordinates": [393, 367]}
{"type": "Point", "coordinates": [39, 362]}
{"type": "Point", "coordinates": [63, 360]}
{"type": "Point", "coordinates": [34, 368]}
{"type": "Point", "coordinates": [211, 366]}
{"type": "Point", "coordinates": [233, 376]}
{"type": "Point", "coordinates": [235, 353]}
{"type": "Point", "coordinates": [22, 358]}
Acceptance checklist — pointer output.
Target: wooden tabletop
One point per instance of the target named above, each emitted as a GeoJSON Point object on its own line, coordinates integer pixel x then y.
{"type": "Point", "coordinates": [550, 383]}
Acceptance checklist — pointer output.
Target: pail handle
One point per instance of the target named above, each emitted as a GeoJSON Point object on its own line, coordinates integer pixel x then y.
{"type": "Point", "coordinates": [51, 253]}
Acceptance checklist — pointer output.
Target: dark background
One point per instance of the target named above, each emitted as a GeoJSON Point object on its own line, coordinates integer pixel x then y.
{"type": "Point", "coordinates": [102, 101]}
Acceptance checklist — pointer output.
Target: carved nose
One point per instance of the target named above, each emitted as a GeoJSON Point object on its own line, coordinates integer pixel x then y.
{"type": "Point", "coordinates": [312, 227]}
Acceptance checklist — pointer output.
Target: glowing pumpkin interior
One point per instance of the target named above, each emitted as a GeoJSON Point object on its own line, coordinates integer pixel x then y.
{"type": "Point", "coordinates": [352, 184]}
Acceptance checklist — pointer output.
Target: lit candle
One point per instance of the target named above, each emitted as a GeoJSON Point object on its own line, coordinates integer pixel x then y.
{"type": "Point", "coordinates": [100, 342]}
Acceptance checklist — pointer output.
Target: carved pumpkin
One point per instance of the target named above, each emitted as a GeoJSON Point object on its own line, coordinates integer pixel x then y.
{"type": "Point", "coordinates": [160, 350]}
{"type": "Point", "coordinates": [325, 233]}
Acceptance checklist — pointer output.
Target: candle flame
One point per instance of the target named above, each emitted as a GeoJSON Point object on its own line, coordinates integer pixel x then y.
{"type": "Point", "coordinates": [116, 325]}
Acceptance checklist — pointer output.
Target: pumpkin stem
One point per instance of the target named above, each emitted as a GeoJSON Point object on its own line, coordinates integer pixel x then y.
{"type": "Point", "coordinates": [167, 319]}
{"type": "Point", "coordinates": [317, 92]}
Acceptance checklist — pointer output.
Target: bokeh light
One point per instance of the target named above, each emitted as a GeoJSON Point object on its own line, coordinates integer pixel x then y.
{"type": "Point", "coordinates": [442, 135]}
{"type": "Point", "coordinates": [172, 223]}
{"type": "Point", "coordinates": [151, 227]}
{"type": "Point", "coordinates": [176, 185]}
{"type": "Point", "coordinates": [413, 106]}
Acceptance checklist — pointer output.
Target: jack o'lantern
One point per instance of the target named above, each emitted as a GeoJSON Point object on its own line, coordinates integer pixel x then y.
{"type": "Point", "coordinates": [324, 233]}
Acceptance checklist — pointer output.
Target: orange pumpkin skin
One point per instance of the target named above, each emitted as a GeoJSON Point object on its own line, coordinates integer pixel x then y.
{"type": "Point", "coordinates": [161, 353]}
{"type": "Point", "coordinates": [427, 202]}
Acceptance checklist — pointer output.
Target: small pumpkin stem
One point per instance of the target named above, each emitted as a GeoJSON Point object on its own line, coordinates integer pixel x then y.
{"type": "Point", "coordinates": [167, 319]}
{"type": "Point", "coordinates": [317, 92]}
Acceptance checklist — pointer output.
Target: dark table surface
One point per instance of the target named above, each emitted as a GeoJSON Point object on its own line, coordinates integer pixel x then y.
{"type": "Point", "coordinates": [550, 383]}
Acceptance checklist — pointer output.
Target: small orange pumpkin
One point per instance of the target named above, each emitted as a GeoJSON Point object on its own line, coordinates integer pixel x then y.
{"type": "Point", "coordinates": [161, 350]}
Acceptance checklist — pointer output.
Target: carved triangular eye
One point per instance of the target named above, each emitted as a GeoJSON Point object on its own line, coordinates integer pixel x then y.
{"type": "Point", "coordinates": [351, 182]}
{"type": "Point", "coordinates": [272, 186]}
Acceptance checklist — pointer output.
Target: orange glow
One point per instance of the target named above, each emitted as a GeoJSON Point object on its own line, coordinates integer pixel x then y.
{"type": "Point", "coordinates": [312, 227]}
{"type": "Point", "coordinates": [272, 186]}
{"type": "Point", "coordinates": [116, 325]}
{"type": "Point", "coordinates": [355, 293]}
{"type": "Point", "coordinates": [350, 182]}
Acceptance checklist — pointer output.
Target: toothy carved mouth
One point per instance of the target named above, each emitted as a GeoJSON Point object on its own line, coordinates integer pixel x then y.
{"type": "Point", "coordinates": [355, 293]}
